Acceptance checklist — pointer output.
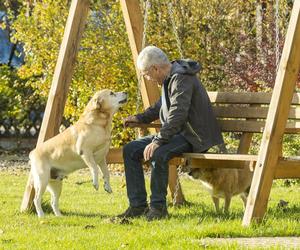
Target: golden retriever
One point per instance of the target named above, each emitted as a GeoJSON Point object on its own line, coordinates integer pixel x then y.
{"type": "Point", "coordinates": [85, 144]}
{"type": "Point", "coordinates": [224, 183]}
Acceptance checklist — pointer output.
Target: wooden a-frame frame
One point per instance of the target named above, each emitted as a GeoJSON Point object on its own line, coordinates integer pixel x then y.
{"type": "Point", "coordinates": [277, 117]}
{"type": "Point", "coordinates": [271, 144]}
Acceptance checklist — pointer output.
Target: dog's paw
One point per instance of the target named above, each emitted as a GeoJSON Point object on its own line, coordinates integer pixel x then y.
{"type": "Point", "coordinates": [41, 214]}
{"type": "Point", "coordinates": [96, 186]}
{"type": "Point", "coordinates": [107, 188]}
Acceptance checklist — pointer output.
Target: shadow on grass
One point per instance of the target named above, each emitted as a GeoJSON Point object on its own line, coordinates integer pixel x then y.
{"type": "Point", "coordinates": [87, 215]}
{"type": "Point", "coordinates": [203, 211]}
{"type": "Point", "coordinates": [290, 212]}
{"type": "Point", "coordinates": [48, 210]}
{"type": "Point", "coordinates": [200, 210]}
{"type": "Point", "coordinates": [196, 210]}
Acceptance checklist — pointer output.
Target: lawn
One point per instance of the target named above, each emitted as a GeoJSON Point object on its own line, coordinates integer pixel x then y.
{"type": "Point", "coordinates": [86, 224]}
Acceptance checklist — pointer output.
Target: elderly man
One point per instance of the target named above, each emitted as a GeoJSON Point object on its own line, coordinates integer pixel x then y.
{"type": "Point", "coordinates": [188, 125]}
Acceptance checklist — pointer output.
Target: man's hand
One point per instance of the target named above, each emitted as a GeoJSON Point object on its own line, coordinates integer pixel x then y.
{"type": "Point", "coordinates": [127, 120]}
{"type": "Point", "coordinates": [149, 150]}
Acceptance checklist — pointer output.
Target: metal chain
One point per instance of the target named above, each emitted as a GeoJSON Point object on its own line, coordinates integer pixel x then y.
{"type": "Point", "coordinates": [277, 52]}
{"type": "Point", "coordinates": [259, 29]}
{"type": "Point", "coordinates": [174, 26]}
{"type": "Point", "coordinates": [147, 7]}
{"type": "Point", "coordinates": [179, 47]}
{"type": "Point", "coordinates": [138, 94]}
{"type": "Point", "coordinates": [144, 38]}
{"type": "Point", "coordinates": [177, 185]}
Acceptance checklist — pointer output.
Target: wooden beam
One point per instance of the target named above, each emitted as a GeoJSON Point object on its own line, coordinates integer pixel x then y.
{"type": "Point", "coordinates": [245, 97]}
{"type": "Point", "coordinates": [239, 97]}
{"type": "Point", "coordinates": [115, 156]}
{"type": "Point", "coordinates": [292, 127]}
{"type": "Point", "coordinates": [276, 121]}
{"type": "Point", "coordinates": [64, 69]}
{"type": "Point", "coordinates": [60, 83]}
{"type": "Point", "coordinates": [234, 111]}
{"type": "Point", "coordinates": [224, 164]}
{"type": "Point", "coordinates": [224, 157]}
{"type": "Point", "coordinates": [246, 138]}
{"type": "Point", "coordinates": [288, 168]}
{"type": "Point", "coordinates": [134, 25]}
{"type": "Point", "coordinates": [244, 147]}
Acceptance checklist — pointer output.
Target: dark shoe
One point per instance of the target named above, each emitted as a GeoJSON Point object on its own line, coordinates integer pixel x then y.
{"type": "Point", "coordinates": [157, 213]}
{"type": "Point", "coordinates": [133, 212]}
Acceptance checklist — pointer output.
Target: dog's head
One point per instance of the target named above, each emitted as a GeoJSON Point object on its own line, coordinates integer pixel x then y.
{"type": "Point", "coordinates": [196, 173]}
{"type": "Point", "coordinates": [107, 100]}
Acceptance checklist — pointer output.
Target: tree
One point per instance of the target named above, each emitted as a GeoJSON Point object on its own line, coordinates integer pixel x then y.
{"type": "Point", "coordinates": [218, 33]}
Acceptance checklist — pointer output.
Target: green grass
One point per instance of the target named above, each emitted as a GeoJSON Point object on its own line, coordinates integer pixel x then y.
{"type": "Point", "coordinates": [86, 224]}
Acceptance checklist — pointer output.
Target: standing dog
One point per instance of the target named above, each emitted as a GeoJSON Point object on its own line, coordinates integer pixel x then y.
{"type": "Point", "coordinates": [224, 183]}
{"type": "Point", "coordinates": [85, 144]}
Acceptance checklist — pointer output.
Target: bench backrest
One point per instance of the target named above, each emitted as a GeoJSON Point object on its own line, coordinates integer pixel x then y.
{"type": "Point", "coordinates": [247, 112]}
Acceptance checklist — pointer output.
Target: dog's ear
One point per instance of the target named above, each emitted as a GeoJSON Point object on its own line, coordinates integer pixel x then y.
{"type": "Point", "coordinates": [97, 103]}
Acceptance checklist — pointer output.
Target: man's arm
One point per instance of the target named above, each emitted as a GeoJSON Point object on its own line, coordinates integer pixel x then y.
{"type": "Point", "coordinates": [180, 101]}
{"type": "Point", "coordinates": [150, 114]}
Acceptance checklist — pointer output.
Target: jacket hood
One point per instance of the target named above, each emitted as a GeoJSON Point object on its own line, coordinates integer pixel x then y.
{"type": "Point", "coordinates": [185, 66]}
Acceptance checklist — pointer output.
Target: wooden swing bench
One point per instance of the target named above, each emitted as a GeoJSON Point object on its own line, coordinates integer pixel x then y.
{"type": "Point", "coordinates": [243, 113]}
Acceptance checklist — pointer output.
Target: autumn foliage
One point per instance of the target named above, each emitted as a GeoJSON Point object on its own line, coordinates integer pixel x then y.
{"type": "Point", "coordinates": [220, 34]}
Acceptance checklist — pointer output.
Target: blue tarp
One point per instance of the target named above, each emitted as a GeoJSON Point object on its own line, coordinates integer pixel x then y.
{"type": "Point", "coordinates": [10, 54]}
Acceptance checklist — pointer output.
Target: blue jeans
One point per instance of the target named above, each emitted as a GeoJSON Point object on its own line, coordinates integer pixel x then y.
{"type": "Point", "coordinates": [135, 181]}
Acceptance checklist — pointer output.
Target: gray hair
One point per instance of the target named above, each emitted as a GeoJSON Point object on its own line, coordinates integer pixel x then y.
{"type": "Point", "coordinates": [149, 56]}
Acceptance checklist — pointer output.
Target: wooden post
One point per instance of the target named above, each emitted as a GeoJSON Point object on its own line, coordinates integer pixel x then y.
{"type": "Point", "coordinates": [61, 81]}
{"type": "Point", "coordinates": [276, 122]}
{"type": "Point", "coordinates": [134, 25]}
{"type": "Point", "coordinates": [245, 143]}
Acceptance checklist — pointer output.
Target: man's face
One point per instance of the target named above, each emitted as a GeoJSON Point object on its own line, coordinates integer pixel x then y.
{"type": "Point", "coordinates": [153, 74]}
